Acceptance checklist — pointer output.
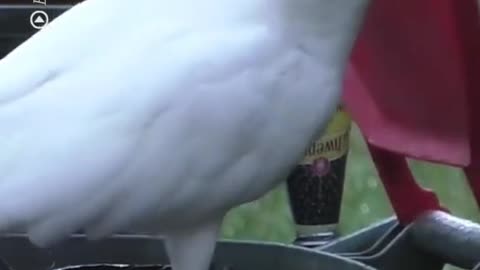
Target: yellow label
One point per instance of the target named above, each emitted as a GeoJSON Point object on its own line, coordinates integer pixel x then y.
{"type": "Point", "coordinates": [334, 143]}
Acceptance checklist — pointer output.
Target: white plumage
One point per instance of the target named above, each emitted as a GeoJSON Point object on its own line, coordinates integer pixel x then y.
{"type": "Point", "coordinates": [163, 115]}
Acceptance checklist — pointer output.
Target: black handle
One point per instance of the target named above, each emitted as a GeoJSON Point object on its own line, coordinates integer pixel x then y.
{"type": "Point", "coordinates": [454, 240]}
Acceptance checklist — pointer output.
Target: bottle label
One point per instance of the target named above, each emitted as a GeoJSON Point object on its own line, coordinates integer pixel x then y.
{"type": "Point", "coordinates": [315, 186]}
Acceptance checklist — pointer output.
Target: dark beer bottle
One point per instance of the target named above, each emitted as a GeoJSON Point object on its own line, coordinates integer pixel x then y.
{"type": "Point", "coordinates": [315, 185]}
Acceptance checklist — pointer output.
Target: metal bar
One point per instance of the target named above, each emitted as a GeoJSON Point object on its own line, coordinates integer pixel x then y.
{"type": "Point", "coordinates": [454, 240]}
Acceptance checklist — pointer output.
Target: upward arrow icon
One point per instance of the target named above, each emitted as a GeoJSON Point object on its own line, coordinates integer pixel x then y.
{"type": "Point", "coordinates": [39, 20]}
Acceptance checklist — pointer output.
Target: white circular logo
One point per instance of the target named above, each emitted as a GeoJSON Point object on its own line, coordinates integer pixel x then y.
{"type": "Point", "coordinates": [39, 19]}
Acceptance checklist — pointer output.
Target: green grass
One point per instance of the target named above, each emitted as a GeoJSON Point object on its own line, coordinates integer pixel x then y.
{"type": "Point", "coordinates": [364, 202]}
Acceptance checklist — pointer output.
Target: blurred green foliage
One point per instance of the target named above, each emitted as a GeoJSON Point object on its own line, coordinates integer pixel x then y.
{"type": "Point", "coordinates": [364, 201]}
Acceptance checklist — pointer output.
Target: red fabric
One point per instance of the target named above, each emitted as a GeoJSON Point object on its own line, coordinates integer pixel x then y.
{"type": "Point", "coordinates": [401, 186]}
{"type": "Point", "coordinates": [470, 35]}
{"type": "Point", "coordinates": [411, 61]}
{"type": "Point", "coordinates": [411, 88]}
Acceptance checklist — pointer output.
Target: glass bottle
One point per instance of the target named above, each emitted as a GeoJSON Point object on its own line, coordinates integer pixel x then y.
{"type": "Point", "coordinates": [315, 185]}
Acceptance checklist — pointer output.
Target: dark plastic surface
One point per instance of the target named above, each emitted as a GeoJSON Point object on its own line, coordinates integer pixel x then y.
{"type": "Point", "coordinates": [120, 267]}
{"type": "Point", "coordinates": [362, 240]}
{"type": "Point", "coordinates": [20, 254]}
{"type": "Point", "coordinates": [429, 243]}
{"type": "Point", "coordinates": [433, 240]}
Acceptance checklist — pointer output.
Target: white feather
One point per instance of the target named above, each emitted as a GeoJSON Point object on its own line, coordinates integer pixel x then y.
{"type": "Point", "coordinates": [164, 116]}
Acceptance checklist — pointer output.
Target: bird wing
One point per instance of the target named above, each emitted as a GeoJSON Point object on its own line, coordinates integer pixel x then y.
{"type": "Point", "coordinates": [78, 132]}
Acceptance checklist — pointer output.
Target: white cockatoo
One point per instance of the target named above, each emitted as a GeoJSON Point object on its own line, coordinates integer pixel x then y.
{"type": "Point", "coordinates": [161, 116]}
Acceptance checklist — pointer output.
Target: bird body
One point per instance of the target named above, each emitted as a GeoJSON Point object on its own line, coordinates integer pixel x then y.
{"type": "Point", "coordinates": [162, 116]}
